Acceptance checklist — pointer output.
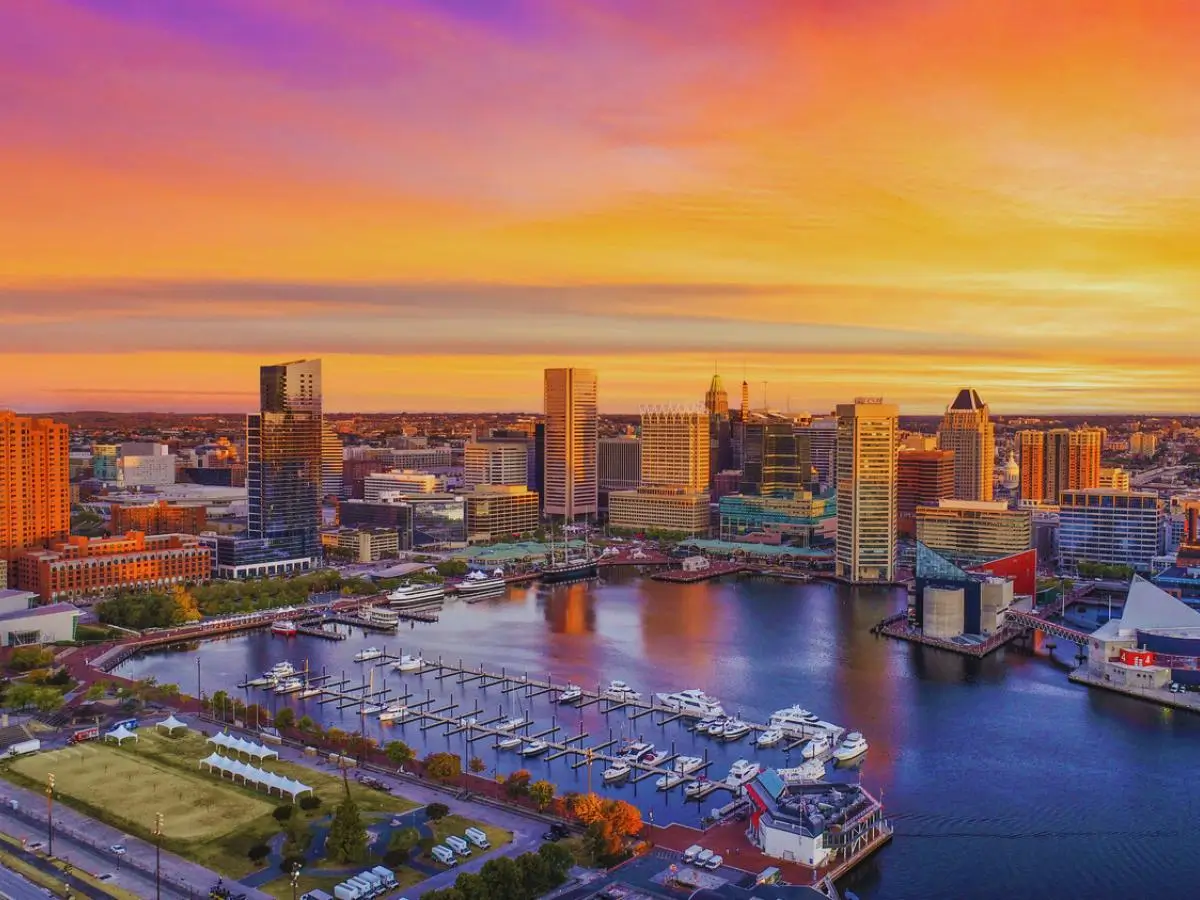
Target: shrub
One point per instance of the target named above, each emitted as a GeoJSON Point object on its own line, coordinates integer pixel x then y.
{"type": "Point", "coordinates": [426, 844]}
{"type": "Point", "coordinates": [310, 802]}
{"type": "Point", "coordinates": [282, 813]}
{"type": "Point", "coordinates": [258, 853]}
{"type": "Point", "coordinates": [435, 811]}
{"type": "Point", "coordinates": [395, 858]}
{"type": "Point", "coordinates": [289, 862]}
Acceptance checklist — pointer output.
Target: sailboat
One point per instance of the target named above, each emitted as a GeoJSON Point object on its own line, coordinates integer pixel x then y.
{"type": "Point", "coordinates": [568, 568]}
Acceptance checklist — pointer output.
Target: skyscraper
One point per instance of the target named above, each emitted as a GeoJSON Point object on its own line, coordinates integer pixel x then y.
{"type": "Point", "coordinates": [744, 412]}
{"type": "Point", "coordinates": [571, 433]}
{"type": "Point", "coordinates": [283, 475]}
{"type": "Point", "coordinates": [493, 463]}
{"type": "Point", "coordinates": [822, 448]}
{"type": "Point", "coordinates": [675, 448]}
{"type": "Point", "coordinates": [332, 462]}
{"type": "Point", "coordinates": [968, 431]}
{"type": "Point", "coordinates": [35, 496]}
{"type": "Point", "coordinates": [866, 490]}
{"type": "Point", "coordinates": [720, 435]}
{"type": "Point", "coordinates": [716, 401]}
{"type": "Point", "coordinates": [922, 477]}
{"type": "Point", "coordinates": [1059, 460]}
{"type": "Point", "coordinates": [775, 459]}
{"type": "Point", "coordinates": [1031, 453]}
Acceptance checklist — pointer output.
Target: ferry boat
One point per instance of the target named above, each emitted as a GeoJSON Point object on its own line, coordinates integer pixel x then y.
{"type": "Point", "coordinates": [534, 748]}
{"type": "Point", "coordinates": [770, 737]}
{"type": "Point", "coordinates": [478, 583]}
{"type": "Point", "coordinates": [619, 690]}
{"type": "Point", "coordinates": [409, 663]}
{"type": "Point", "coordinates": [572, 693]}
{"type": "Point", "coordinates": [742, 772]}
{"type": "Point", "coordinates": [289, 686]}
{"type": "Point", "coordinates": [285, 627]}
{"type": "Point", "coordinates": [795, 721]}
{"type": "Point", "coordinates": [380, 616]}
{"type": "Point", "coordinates": [810, 771]}
{"type": "Point", "coordinates": [685, 765]}
{"type": "Point", "coordinates": [618, 771]}
{"type": "Point", "coordinates": [668, 781]}
{"type": "Point", "coordinates": [509, 743]}
{"type": "Point", "coordinates": [691, 703]}
{"type": "Point", "coordinates": [854, 746]}
{"type": "Point", "coordinates": [368, 654]}
{"type": "Point", "coordinates": [818, 746]}
{"type": "Point", "coordinates": [409, 594]}
{"type": "Point", "coordinates": [735, 730]}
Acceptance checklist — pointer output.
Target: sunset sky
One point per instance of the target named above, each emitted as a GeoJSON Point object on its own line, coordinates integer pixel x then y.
{"type": "Point", "coordinates": [441, 197]}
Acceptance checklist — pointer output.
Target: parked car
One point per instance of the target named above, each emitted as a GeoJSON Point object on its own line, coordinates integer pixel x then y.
{"type": "Point", "coordinates": [105, 876]}
{"type": "Point", "coordinates": [36, 845]}
{"type": "Point", "coordinates": [557, 832]}
{"type": "Point", "coordinates": [118, 849]}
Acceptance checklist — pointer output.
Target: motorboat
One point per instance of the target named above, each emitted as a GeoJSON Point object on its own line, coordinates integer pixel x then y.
{"type": "Point", "coordinates": [735, 730]}
{"type": "Point", "coordinates": [697, 787]}
{"type": "Point", "coordinates": [393, 713]}
{"type": "Point", "coordinates": [368, 654]}
{"type": "Point", "coordinates": [794, 721]}
{"type": "Point", "coordinates": [668, 781]}
{"type": "Point", "coordinates": [409, 594]}
{"type": "Point", "coordinates": [509, 743]}
{"type": "Point", "coordinates": [817, 746]}
{"type": "Point", "coordinates": [289, 686]}
{"type": "Point", "coordinates": [632, 751]}
{"type": "Point", "coordinates": [770, 737]}
{"type": "Point", "coordinates": [691, 703]}
{"type": "Point", "coordinates": [310, 690]}
{"type": "Point", "coordinates": [716, 729]}
{"type": "Point", "coordinates": [619, 690]}
{"type": "Point", "coordinates": [653, 760]}
{"type": "Point", "coordinates": [685, 765]}
{"type": "Point", "coordinates": [408, 663]}
{"type": "Point", "coordinates": [811, 770]}
{"type": "Point", "coordinates": [572, 693]}
{"type": "Point", "coordinates": [369, 709]}
{"type": "Point", "coordinates": [742, 772]}
{"type": "Point", "coordinates": [703, 725]}
{"type": "Point", "coordinates": [512, 724]}
{"type": "Point", "coordinates": [854, 746]}
{"type": "Point", "coordinates": [468, 721]}
{"type": "Point", "coordinates": [534, 748]}
{"type": "Point", "coordinates": [281, 670]}
{"type": "Point", "coordinates": [618, 771]}
{"type": "Point", "coordinates": [479, 583]}
{"type": "Point", "coordinates": [285, 627]}
{"type": "Point", "coordinates": [264, 680]}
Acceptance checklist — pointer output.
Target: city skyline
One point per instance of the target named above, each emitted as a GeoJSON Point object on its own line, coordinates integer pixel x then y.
{"type": "Point", "coordinates": [845, 198]}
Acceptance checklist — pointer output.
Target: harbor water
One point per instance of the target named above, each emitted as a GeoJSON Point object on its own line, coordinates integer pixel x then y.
{"type": "Point", "coordinates": [998, 775]}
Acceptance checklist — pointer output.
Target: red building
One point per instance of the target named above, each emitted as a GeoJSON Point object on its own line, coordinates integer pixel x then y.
{"type": "Point", "coordinates": [159, 518]}
{"type": "Point", "coordinates": [1020, 567]}
{"type": "Point", "coordinates": [922, 476]}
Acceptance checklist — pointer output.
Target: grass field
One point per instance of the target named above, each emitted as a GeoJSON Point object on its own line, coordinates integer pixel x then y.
{"type": "Point", "coordinates": [456, 825]}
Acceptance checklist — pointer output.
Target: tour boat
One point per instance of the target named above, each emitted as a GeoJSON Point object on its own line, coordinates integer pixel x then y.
{"type": "Point", "coordinates": [572, 693]}
{"type": "Point", "coordinates": [285, 627]}
{"type": "Point", "coordinates": [289, 686]}
{"type": "Point", "coordinates": [409, 664]}
{"type": "Point", "coordinates": [368, 654]}
{"type": "Point", "coordinates": [742, 772]}
{"type": "Point", "coordinates": [668, 781]}
{"type": "Point", "coordinates": [393, 713]}
{"type": "Point", "coordinates": [770, 737]}
{"type": "Point", "coordinates": [691, 703]}
{"type": "Point", "coordinates": [654, 760]}
{"type": "Point", "coordinates": [282, 670]}
{"type": "Point", "coordinates": [410, 594]}
{"type": "Point", "coordinates": [817, 746]}
{"type": "Point", "coordinates": [685, 765]}
{"type": "Point", "coordinates": [632, 751]}
{"type": "Point", "coordinates": [533, 748]}
{"type": "Point", "coordinates": [854, 746]}
{"type": "Point", "coordinates": [509, 743]}
{"type": "Point", "coordinates": [794, 720]}
{"type": "Point", "coordinates": [619, 690]}
{"type": "Point", "coordinates": [618, 771]}
{"type": "Point", "coordinates": [735, 730]}
{"type": "Point", "coordinates": [310, 691]}
{"type": "Point", "coordinates": [478, 583]}
{"type": "Point", "coordinates": [380, 616]}
{"type": "Point", "coordinates": [811, 770]}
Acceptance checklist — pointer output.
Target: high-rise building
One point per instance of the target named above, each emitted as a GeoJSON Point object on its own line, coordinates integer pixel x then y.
{"type": "Point", "coordinates": [922, 476]}
{"type": "Point", "coordinates": [620, 463]}
{"type": "Point", "coordinates": [1109, 527]}
{"type": "Point", "coordinates": [974, 531]}
{"type": "Point", "coordinates": [1117, 479]}
{"type": "Point", "coordinates": [332, 462]}
{"type": "Point", "coordinates": [379, 485]}
{"type": "Point", "coordinates": [744, 411]}
{"type": "Point", "coordinates": [158, 517]}
{"type": "Point", "coordinates": [866, 490]}
{"type": "Point", "coordinates": [104, 461]}
{"type": "Point", "coordinates": [1031, 451]}
{"type": "Point", "coordinates": [675, 448]}
{"type": "Point", "coordinates": [775, 459]}
{"type": "Point", "coordinates": [497, 512]}
{"type": "Point", "coordinates": [538, 481]}
{"type": "Point", "coordinates": [495, 463]}
{"type": "Point", "coordinates": [720, 435]}
{"type": "Point", "coordinates": [35, 493]}
{"type": "Point", "coordinates": [822, 448]}
{"type": "Point", "coordinates": [1143, 443]}
{"type": "Point", "coordinates": [571, 479]}
{"type": "Point", "coordinates": [1058, 460]}
{"type": "Point", "coordinates": [283, 477]}
{"type": "Point", "coordinates": [967, 430]}
{"type": "Point", "coordinates": [716, 401]}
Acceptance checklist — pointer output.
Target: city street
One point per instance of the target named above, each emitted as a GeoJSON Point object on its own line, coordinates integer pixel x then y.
{"type": "Point", "coordinates": [17, 887]}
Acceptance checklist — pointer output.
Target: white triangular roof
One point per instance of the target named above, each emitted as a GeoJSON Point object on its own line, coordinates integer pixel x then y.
{"type": "Point", "coordinates": [1148, 606]}
{"type": "Point", "coordinates": [120, 733]}
{"type": "Point", "coordinates": [171, 723]}
{"type": "Point", "coordinates": [221, 739]}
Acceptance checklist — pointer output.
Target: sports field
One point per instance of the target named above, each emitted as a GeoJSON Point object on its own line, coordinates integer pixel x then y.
{"type": "Point", "coordinates": [132, 787]}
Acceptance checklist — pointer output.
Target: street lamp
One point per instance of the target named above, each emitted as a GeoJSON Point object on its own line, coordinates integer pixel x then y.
{"type": "Point", "coordinates": [295, 878]}
{"type": "Point", "coordinates": [158, 823]}
{"type": "Point", "coordinates": [50, 814]}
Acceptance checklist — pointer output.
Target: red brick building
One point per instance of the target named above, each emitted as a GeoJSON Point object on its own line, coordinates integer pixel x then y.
{"type": "Point", "coordinates": [922, 476]}
{"type": "Point", "coordinates": [159, 518]}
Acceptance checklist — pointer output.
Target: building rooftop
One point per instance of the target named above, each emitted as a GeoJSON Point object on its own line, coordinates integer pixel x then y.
{"type": "Point", "coordinates": [48, 610]}
{"type": "Point", "coordinates": [1149, 608]}
{"type": "Point", "coordinates": [967, 401]}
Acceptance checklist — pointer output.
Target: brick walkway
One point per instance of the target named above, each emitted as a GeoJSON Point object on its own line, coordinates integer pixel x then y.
{"type": "Point", "coordinates": [730, 841]}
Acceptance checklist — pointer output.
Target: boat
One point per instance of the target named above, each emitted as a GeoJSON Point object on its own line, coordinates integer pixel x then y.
{"type": "Point", "coordinates": [281, 670]}
{"type": "Point", "coordinates": [742, 772]}
{"type": "Point", "coordinates": [795, 721]}
{"type": "Point", "coordinates": [285, 627]}
{"type": "Point", "coordinates": [572, 693]}
{"type": "Point", "coordinates": [854, 746]}
{"type": "Point", "coordinates": [264, 680]}
{"type": "Point", "coordinates": [691, 703]}
{"type": "Point", "coordinates": [533, 748]}
{"type": "Point", "coordinates": [817, 746]}
{"type": "Point", "coordinates": [510, 743]}
{"type": "Point", "coordinates": [735, 730]}
{"type": "Point", "coordinates": [380, 616]}
{"type": "Point", "coordinates": [619, 690]}
{"type": "Point", "coordinates": [393, 713]}
{"type": "Point", "coordinates": [408, 663]}
{"type": "Point", "coordinates": [369, 709]}
{"type": "Point", "coordinates": [703, 725]}
{"type": "Point", "coordinates": [478, 583]}
{"type": "Point", "coordinates": [289, 686]}
{"type": "Point", "coordinates": [685, 765]}
{"type": "Point", "coordinates": [368, 654]}
{"type": "Point", "coordinates": [811, 770]}
{"type": "Point", "coordinates": [668, 781]}
{"type": "Point", "coordinates": [716, 729]}
{"type": "Point", "coordinates": [618, 771]}
{"type": "Point", "coordinates": [632, 751]}
{"type": "Point", "coordinates": [654, 760]}
{"type": "Point", "coordinates": [511, 724]}
{"type": "Point", "coordinates": [697, 787]}
{"type": "Point", "coordinates": [770, 737]}
{"type": "Point", "coordinates": [409, 594]}
{"type": "Point", "coordinates": [310, 691]}
{"type": "Point", "coordinates": [568, 568]}
{"type": "Point", "coordinates": [468, 721]}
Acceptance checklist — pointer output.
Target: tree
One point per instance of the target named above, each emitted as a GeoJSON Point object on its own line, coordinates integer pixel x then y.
{"type": "Point", "coordinates": [517, 784]}
{"type": "Point", "coordinates": [285, 718]}
{"type": "Point", "coordinates": [435, 811]}
{"type": "Point", "coordinates": [306, 723]}
{"type": "Point", "coordinates": [25, 658]}
{"type": "Point", "coordinates": [347, 840]}
{"type": "Point", "coordinates": [625, 818]}
{"type": "Point", "coordinates": [337, 737]}
{"type": "Point", "coordinates": [185, 606]}
{"type": "Point", "coordinates": [48, 700]}
{"type": "Point", "coordinates": [587, 808]}
{"type": "Point", "coordinates": [601, 841]}
{"type": "Point", "coordinates": [443, 767]}
{"type": "Point", "coordinates": [536, 874]}
{"type": "Point", "coordinates": [21, 694]}
{"type": "Point", "coordinates": [501, 878]}
{"type": "Point", "coordinates": [96, 691]}
{"type": "Point", "coordinates": [399, 753]}
{"type": "Point", "coordinates": [477, 765]}
{"type": "Point", "coordinates": [542, 793]}
{"type": "Point", "coordinates": [558, 857]}
{"type": "Point", "coordinates": [452, 568]}
{"type": "Point", "coordinates": [360, 745]}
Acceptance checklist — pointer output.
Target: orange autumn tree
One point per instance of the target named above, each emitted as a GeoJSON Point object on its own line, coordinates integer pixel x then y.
{"type": "Point", "coordinates": [587, 808]}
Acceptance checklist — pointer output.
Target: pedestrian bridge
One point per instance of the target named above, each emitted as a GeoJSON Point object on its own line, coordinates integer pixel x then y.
{"type": "Point", "coordinates": [1022, 619]}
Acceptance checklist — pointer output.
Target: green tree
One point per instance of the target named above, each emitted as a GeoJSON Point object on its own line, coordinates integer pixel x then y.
{"type": "Point", "coordinates": [443, 767]}
{"type": "Point", "coordinates": [452, 568]}
{"type": "Point", "coordinates": [542, 793]}
{"type": "Point", "coordinates": [558, 857]}
{"type": "Point", "coordinates": [399, 753]}
{"type": "Point", "coordinates": [25, 658]}
{"type": "Point", "coordinates": [285, 718]}
{"type": "Point", "coordinates": [347, 841]}
{"type": "Point", "coordinates": [21, 694]}
{"type": "Point", "coordinates": [435, 811]}
{"type": "Point", "coordinates": [502, 878]}
{"type": "Point", "coordinates": [537, 877]}
{"type": "Point", "coordinates": [96, 691]}
{"type": "Point", "coordinates": [48, 700]}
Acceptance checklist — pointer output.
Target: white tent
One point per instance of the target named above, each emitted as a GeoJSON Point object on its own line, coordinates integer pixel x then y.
{"type": "Point", "coordinates": [171, 723]}
{"type": "Point", "coordinates": [270, 781]}
{"type": "Point", "coordinates": [236, 744]}
{"type": "Point", "coordinates": [120, 735]}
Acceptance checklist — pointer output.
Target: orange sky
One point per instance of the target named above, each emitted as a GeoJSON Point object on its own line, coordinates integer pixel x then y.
{"type": "Point", "coordinates": [891, 197]}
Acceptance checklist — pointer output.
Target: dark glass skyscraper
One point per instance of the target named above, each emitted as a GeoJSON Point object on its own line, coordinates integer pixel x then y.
{"type": "Point", "coordinates": [776, 462]}
{"type": "Point", "coordinates": [283, 448]}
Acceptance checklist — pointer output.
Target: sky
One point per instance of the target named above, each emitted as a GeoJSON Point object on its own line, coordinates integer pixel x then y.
{"type": "Point", "coordinates": [442, 197]}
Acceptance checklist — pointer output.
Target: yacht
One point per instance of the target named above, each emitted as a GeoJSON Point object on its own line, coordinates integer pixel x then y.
{"type": "Point", "coordinates": [716, 729]}
{"type": "Point", "coordinates": [770, 737]}
{"type": "Point", "coordinates": [368, 654]}
{"type": "Point", "coordinates": [393, 713]}
{"type": "Point", "coordinates": [369, 709]}
{"type": "Point", "coordinates": [534, 748]}
{"type": "Point", "coordinates": [478, 583]}
{"type": "Point", "coordinates": [854, 746]}
{"type": "Point", "coordinates": [794, 720]}
{"type": "Point", "coordinates": [632, 751]}
{"type": "Point", "coordinates": [818, 746]}
{"type": "Point", "coordinates": [735, 730]}
{"type": "Point", "coordinates": [285, 627]}
{"type": "Point", "coordinates": [685, 765]}
{"type": "Point", "coordinates": [696, 787]}
{"type": "Point", "coordinates": [668, 781]}
{"type": "Point", "coordinates": [691, 703]}
{"type": "Point", "coordinates": [512, 724]}
{"type": "Point", "coordinates": [653, 760]}
{"type": "Point", "coordinates": [266, 679]}
{"type": "Point", "coordinates": [310, 690]}
{"type": "Point", "coordinates": [742, 772]}
{"type": "Point", "coordinates": [572, 693]}
{"type": "Point", "coordinates": [810, 771]}
{"type": "Point", "coordinates": [408, 663]}
{"type": "Point", "coordinates": [703, 725]}
{"type": "Point", "coordinates": [618, 771]}
{"type": "Point", "coordinates": [409, 594]}
{"type": "Point", "coordinates": [509, 743]}
{"type": "Point", "coordinates": [619, 690]}
{"type": "Point", "coordinates": [281, 670]}
{"type": "Point", "coordinates": [289, 686]}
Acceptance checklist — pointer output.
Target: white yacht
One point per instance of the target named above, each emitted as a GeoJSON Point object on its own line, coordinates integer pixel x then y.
{"type": "Point", "coordinates": [534, 748]}
{"type": "Point", "coordinates": [511, 724]}
{"type": "Point", "coordinates": [410, 594]}
{"type": "Point", "coordinates": [619, 690]}
{"type": "Point", "coordinates": [794, 721]}
{"type": "Point", "coordinates": [393, 713]}
{"type": "Point", "coordinates": [289, 686]}
{"type": "Point", "coordinates": [812, 770]}
{"type": "Point", "coordinates": [282, 670]}
{"type": "Point", "coordinates": [408, 663]}
{"type": "Point", "coordinates": [854, 746]}
{"type": "Point", "coordinates": [509, 743]}
{"type": "Point", "coordinates": [572, 693]}
{"type": "Point", "coordinates": [742, 772]}
{"type": "Point", "coordinates": [712, 727]}
{"type": "Point", "coordinates": [697, 787]}
{"type": "Point", "coordinates": [653, 760]}
{"type": "Point", "coordinates": [368, 654]}
{"type": "Point", "coordinates": [478, 583]}
{"type": "Point", "coordinates": [266, 679]}
{"type": "Point", "coordinates": [618, 771]}
{"type": "Point", "coordinates": [817, 746]}
{"type": "Point", "coordinates": [632, 751]}
{"type": "Point", "coordinates": [668, 781]}
{"type": "Point", "coordinates": [703, 725]}
{"type": "Point", "coordinates": [770, 737]}
{"type": "Point", "coordinates": [691, 703]}
{"type": "Point", "coordinates": [310, 690]}
{"type": "Point", "coordinates": [735, 730]}
{"type": "Point", "coordinates": [369, 709]}
{"type": "Point", "coordinates": [685, 765]}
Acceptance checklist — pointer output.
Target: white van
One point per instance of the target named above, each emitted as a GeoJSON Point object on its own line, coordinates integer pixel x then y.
{"type": "Point", "coordinates": [385, 875]}
{"type": "Point", "coordinates": [365, 888]}
{"type": "Point", "coordinates": [444, 855]}
{"type": "Point", "coordinates": [347, 891]}
{"type": "Point", "coordinates": [458, 845]}
{"type": "Point", "coordinates": [478, 838]}
{"type": "Point", "coordinates": [690, 854]}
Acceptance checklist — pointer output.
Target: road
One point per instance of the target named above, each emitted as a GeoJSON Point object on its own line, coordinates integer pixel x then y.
{"type": "Point", "coordinates": [18, 888]}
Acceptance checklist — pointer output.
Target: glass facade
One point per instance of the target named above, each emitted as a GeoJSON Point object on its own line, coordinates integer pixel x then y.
{"type": "Point", "coordinates": [438, 521]}
{"type": "Point", "coordinates": [1111, 527]}
{"type": "Point", "coordinates": [796, 519]}
{"type": "Point", "coordinates": [776, 461]}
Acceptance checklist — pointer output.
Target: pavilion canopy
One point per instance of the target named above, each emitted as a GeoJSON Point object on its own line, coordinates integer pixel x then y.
{"type": "Point", "coordinates": [243, 747]}
{"type": "Point", "coordinates": [261, 778]}
{"type": "Point", "coordinates": [171, 724]}
{"type": "Point", "coordinates": [120, 735]}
